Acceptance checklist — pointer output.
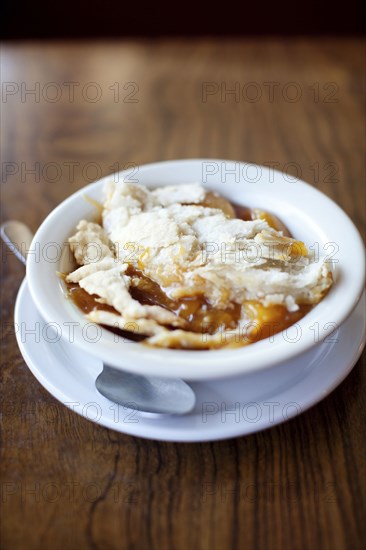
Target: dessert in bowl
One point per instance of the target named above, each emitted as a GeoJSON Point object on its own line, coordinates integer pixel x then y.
{"type": "Point", "coordinates": [191, 283]}
{"type": "Point", "coordinates": [179, 267]}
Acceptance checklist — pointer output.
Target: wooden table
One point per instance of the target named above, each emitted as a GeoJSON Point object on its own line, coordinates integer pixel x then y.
{"type": "Point", "coordinates": [295, 104]}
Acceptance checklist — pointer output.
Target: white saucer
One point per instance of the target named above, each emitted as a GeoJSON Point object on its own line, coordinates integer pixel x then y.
{"type": "Point", "coordinates": [224, 409]}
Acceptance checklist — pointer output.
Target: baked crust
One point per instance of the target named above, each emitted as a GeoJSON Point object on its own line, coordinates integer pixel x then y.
{"type": "Point", "coordinates": [185, 240]}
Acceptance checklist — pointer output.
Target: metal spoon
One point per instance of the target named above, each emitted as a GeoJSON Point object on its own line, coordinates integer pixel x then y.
{"type": "Point", "coordinates": [145, 394]}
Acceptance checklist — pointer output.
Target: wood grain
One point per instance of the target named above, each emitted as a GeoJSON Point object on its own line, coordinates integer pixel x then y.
{"type": "Point", "coordinates": [70, 484]}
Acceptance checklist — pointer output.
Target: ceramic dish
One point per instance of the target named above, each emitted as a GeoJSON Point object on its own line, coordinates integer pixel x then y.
{"type": "Point", "coordinates": [309, 215]}
{"type": "Point", "coordinates": [224, 408]}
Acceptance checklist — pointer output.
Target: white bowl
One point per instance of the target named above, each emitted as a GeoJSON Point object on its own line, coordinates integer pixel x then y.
{"type": "Point", "coordinates": [310, 216]}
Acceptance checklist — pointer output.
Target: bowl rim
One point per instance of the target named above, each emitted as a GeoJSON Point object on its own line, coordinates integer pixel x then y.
{"type": "Point", "coordinates": [331, 312]}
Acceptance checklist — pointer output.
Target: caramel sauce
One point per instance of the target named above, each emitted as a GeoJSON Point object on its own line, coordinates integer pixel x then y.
{"type": "Point", "coordinates": [88, 302]}
{"type": "Point", "coordinates": [197, 311]}
{"type": "Point", "coordinates": [268, 321]}
{"type": "Point", "coordinates": [199, 314]}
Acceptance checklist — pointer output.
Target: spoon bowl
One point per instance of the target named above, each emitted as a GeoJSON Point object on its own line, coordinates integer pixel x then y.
{"type": "Point", "coordinates": [146, 394]}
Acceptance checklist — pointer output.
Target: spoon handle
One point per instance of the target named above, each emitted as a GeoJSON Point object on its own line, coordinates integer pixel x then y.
{"type": "Point", "coordinates": [18, 237]}
{"type": "Point", "coordinates": [151, 396]}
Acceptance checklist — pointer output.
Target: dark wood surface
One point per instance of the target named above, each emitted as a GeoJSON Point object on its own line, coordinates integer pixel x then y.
{"type": "Point", "coordinates": [70, 484]}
